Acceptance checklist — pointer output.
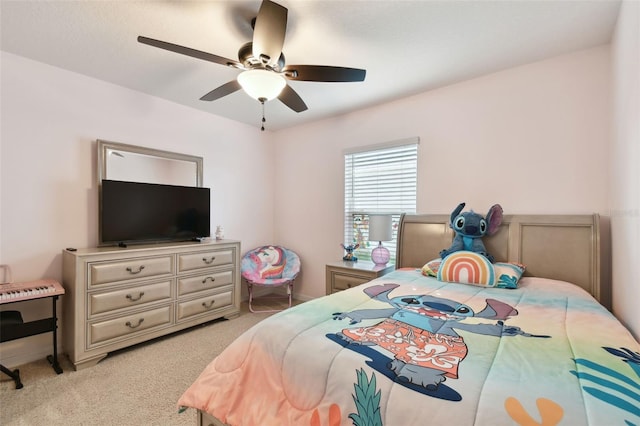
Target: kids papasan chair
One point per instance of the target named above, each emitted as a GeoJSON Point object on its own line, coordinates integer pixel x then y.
{"type": "Point", "coordinates": [270, 266]}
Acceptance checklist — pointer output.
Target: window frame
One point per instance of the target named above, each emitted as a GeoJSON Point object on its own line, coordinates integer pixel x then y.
{"type": "Point", "coordinates": [357, 210]}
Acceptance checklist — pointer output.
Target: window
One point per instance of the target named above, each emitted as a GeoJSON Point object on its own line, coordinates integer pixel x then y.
{"type": "Point", "coordinates": [381, 179]}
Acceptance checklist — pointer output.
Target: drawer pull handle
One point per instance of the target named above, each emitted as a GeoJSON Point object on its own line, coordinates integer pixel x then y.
{"type": "Point", "coordinates": [135, 299]}
{"type": "Point", "coordinates": [210, 261]}
{"type": "Point", "coordinates": [208, 278]}
{"type": "Point", "coordinates": [208, 305]}
{"type": "Point", "coordinates": [140, 268]}
{"type": "Point", "coordinates": [128, 324]}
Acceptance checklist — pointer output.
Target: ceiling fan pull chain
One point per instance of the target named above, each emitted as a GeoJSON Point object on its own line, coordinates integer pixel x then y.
{"type": "Point", "coordinates": [263, 119]}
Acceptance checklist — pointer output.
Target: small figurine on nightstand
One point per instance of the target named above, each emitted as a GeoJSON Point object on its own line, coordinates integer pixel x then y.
{"type": "Point", "coordinates": [219, 233]}
{"type": "Point", "coordinates": [349, 249]}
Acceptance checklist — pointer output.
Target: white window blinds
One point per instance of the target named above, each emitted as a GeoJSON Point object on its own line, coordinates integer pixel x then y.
{"type": "Point", "coordinates": [379, 180]}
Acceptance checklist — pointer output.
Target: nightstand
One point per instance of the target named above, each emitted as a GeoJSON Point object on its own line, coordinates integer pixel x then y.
{"type": "Point", "coordinates": [343, 275]}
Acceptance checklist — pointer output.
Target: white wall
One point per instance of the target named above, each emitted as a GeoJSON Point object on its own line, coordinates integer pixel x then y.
{"type": "Point", "coordinates": [534, 139]}
{"type": "Point", "coordinates": [625, 174]}
{"type": "Point", "coordinates": [48, 188]}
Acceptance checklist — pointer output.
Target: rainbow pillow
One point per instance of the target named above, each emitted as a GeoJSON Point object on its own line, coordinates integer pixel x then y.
{"type": "Point", "coordinates": [467, 267]}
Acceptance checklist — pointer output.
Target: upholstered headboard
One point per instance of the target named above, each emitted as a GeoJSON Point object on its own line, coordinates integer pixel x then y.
{"type": "Point", "coordinates": [562, 247]}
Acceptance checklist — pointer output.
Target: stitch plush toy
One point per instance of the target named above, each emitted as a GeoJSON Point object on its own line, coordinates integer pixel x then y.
{"type": "Point", "coordinates": [470, 227]}
{"type": "Point", "coordinates": [349, 249]}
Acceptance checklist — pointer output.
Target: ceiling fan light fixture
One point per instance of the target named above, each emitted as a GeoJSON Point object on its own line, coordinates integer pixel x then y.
{"type": "Point", "coordinates": [261, 84]}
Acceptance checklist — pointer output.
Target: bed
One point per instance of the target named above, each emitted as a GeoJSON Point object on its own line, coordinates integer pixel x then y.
{"type": "Point", "coordinates": [410, 349]}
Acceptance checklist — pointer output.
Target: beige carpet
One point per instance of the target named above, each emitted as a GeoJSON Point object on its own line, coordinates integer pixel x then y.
{"type": "Point", "coordinates": [135, 386]}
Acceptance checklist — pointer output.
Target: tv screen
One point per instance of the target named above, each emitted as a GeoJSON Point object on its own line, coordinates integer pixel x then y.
{"type": "Point", "coordinates": [133, 212]}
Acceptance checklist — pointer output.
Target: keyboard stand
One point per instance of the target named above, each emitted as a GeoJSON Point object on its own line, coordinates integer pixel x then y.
{"type": "Point", "coordinates": [12, 327]}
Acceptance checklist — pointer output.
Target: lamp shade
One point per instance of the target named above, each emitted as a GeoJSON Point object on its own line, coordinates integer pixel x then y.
{"type": "Point", "coordinates": [261, 84]}
{"type": "Point", "coordinates": [380, 227]}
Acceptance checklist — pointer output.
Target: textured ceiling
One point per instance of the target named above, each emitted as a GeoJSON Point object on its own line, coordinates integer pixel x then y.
{"type": "Point", "coordinates": [407, 47]}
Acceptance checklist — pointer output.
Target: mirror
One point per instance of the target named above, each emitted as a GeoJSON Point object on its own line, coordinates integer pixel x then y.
{"type": "Point", "coordinates": [132, 163]}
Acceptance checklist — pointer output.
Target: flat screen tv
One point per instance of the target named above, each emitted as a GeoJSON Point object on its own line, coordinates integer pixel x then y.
{"type": "Point", "coordinates": [134, 212]}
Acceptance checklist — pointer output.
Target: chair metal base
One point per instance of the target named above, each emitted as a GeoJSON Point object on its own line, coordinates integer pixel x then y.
{"type": "Point", "coordinates": [289, 296]}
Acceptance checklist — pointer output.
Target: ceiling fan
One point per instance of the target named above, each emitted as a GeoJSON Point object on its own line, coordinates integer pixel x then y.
{"type": "Point", "coordinates": [262, 62]}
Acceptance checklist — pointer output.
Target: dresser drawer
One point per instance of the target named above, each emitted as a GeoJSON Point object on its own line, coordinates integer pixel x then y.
{"type": "Point", "coordinates": [204, 304]}
{"type": "Point", "coordinates": [128, 325]}
{"type": "Point", "coordinates": [343, 282]}
{"type": "Point", "coordinates": [205, 259]}
{"type": "Point", "coordinates": [196, 283]}
{"type": "Point", "coordinates": [120, 270]}
{"type": "Point", "coordinates": [344, 275]}
{"type": "Point", "coordinates": [131, 296]}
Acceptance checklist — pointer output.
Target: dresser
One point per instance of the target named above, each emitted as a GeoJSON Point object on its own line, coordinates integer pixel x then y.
{"type": "Point", "coordinates": [117, 297]}
{"type": "Point", "coordinates": [345, 274]}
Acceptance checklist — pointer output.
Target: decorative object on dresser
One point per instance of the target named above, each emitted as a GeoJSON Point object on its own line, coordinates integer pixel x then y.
{"type": "Point", "coordinates": [219, 232]}
{"type": "Point", "coordinates": [343, 275]}
{"type": "Point", "coordinates": [118, 297]}
{"type": "Point", "coordinates": [349, 257]}
{"type": "Point", "coordinates": [380, 230]}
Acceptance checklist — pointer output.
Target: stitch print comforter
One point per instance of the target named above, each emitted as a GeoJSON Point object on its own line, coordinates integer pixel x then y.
{"type": "Point", "coordinates": [406, 349]}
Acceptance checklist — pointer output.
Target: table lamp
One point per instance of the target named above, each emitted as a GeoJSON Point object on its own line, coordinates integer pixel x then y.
{"type": "Point", "coordinates": [380, 230]}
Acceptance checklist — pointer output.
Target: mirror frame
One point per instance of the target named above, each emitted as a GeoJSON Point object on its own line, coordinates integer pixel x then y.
{"type": "Point", "coordinates": [103, 146]}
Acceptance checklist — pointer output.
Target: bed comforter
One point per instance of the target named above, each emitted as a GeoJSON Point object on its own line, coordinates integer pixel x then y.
{"type": "Point", "coordinates": [406, 349]}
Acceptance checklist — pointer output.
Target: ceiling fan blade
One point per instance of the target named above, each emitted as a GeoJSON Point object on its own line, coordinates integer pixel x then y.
{"type": "Point", "coordinates": [290, 98]}
{"type": "Point", "coordinates": [269, 32]}
{"type": "Point", "coordinates": [323, 73]}
{"type": "Point", "coordinates": [189, 52]}
{"type": "Point", "coordinates": [221, 91]}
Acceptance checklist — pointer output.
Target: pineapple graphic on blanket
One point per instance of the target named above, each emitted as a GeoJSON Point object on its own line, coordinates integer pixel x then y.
{"type": "Point", "coordinates": [420, 331]}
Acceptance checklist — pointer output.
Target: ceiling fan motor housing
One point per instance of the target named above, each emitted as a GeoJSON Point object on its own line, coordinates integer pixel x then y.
{"type": "Point", "coordinates": [246, 58]}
